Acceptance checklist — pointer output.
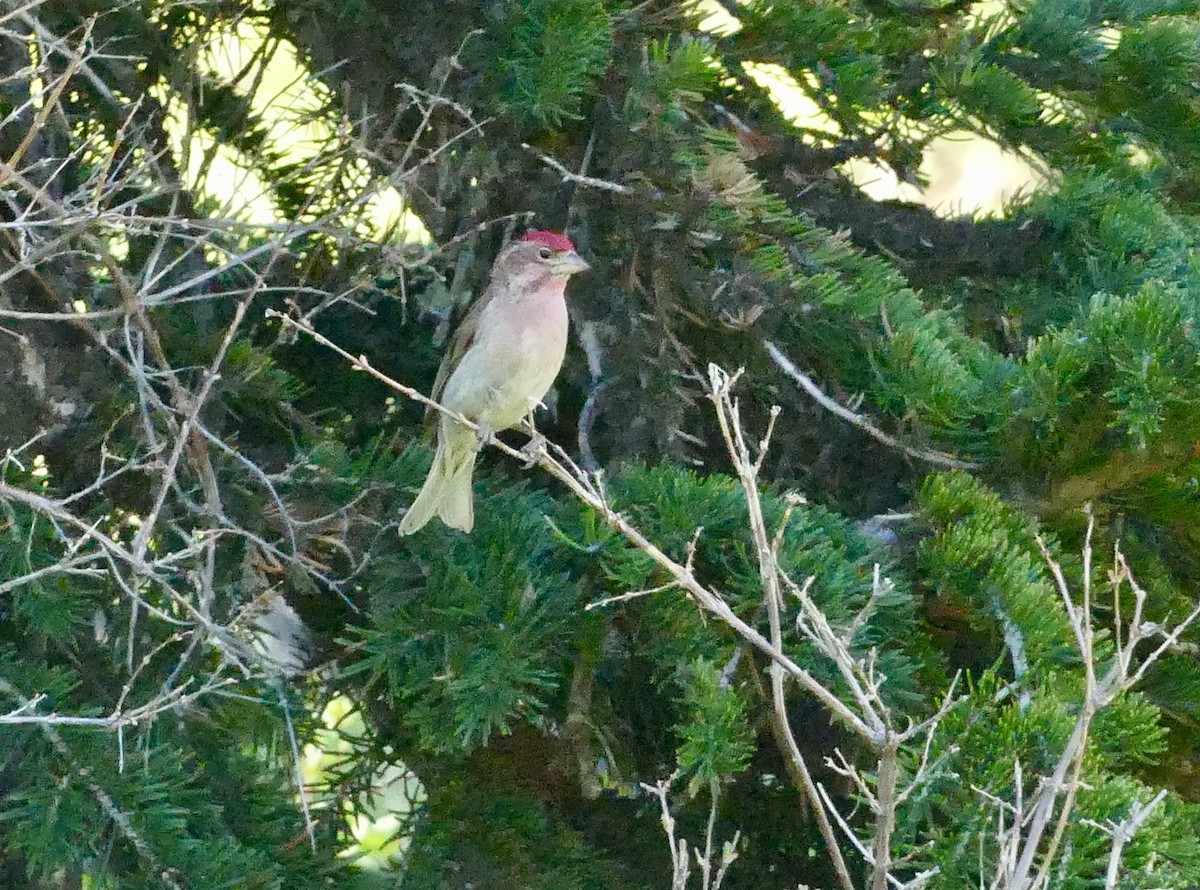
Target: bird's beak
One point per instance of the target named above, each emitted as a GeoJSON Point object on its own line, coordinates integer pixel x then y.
{"type": "Point", "coordinates": [569, 264]}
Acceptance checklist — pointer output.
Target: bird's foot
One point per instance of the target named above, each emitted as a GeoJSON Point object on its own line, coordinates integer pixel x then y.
{"type": "Point", "coordinates": [534, 449]}
{"type": "Point", "coordinates": [483, 435]}
{"type": "Point", "coordinates": [527, 424]}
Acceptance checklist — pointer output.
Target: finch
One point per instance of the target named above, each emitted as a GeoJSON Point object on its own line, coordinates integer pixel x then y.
{"type": "Point", "coordinates": [501, 362]}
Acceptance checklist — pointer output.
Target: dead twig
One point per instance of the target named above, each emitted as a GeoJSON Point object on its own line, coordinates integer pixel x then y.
{"type": "Point", "coordinates": [937, 458]}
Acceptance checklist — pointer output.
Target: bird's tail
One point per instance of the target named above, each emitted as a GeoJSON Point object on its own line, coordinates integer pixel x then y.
{"type": "Point", "coordinates": [447, 489]}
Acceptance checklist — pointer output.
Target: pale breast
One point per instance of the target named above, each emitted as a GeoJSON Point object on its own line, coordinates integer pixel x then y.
{"type": "Point", "coordinates": [513, 361]}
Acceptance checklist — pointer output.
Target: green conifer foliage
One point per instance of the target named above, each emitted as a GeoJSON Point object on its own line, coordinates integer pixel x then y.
{"type": "Point", "coordinates": [936, 637]}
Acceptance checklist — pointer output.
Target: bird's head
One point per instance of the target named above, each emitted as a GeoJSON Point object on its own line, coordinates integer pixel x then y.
{"type": "Point", "coordinates": [540, 256]}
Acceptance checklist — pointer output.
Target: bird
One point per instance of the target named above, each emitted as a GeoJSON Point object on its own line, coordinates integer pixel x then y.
{"type": "Point", "coordinates": [502, 361]}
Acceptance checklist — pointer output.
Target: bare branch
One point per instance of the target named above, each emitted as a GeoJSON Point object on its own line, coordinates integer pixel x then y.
{"type": "Point", "coordinates": [578, 178]}
{"type": "Point", "coordinates": [1122, 833]}
{"type": "Point", "coordinates": [933, 457]}
{"type": "Point", "coordinates": [712, 868]}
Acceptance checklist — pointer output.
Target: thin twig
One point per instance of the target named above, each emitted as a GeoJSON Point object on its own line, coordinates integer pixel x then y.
{"type": "Point", "coordinates": [577, 178]}
{"type": "Point", "coordinates": [937, 458]}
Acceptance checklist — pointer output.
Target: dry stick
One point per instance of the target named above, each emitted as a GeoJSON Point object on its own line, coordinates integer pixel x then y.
{"type": "Point", "coordinates": [769, 576]}
{"type": "Point", "coordinates": [129, 298]}
{"type": "Point", "coordinates": [438, 100]}
{"type": "Point", "coordinates": [578, 178]}
{"type": "Point", "coordinates": [786, 739]}
{"type": "Point", "coordinates": [878, 732]}
{"type": "Point", "coordinates": [192, 415]}
{"type": "Point", "coordinates": [142, 539]}
{"type": "Point", "coordinates": [593, 496]}
{"type": "Point", "coordinates": [629, 595]}
{"type": "Point", "coordinates": [883, 738]}
{"type": "Point", "coordinates": [857, 675]}
{"type": "Point", "coordinates": [289, 525]}
{"type": "Point", "coordinates": [1081, 622]}
{"type": "Point", "coordinates": [21, 315]}
{"type": "Point", "coordinates": [728, 851]}
{"type": "Point", "coordinates": [20, 10]}
{"type": "Point", "coordinates": [184, 402]}
{"type": "Point", "coordinates": [111, 547]}
{"type": "Point", "coordinates": [124, 287]}
{"type": "Point", "coordinates": [183, 440]}
{"type": "Point", "coordinates": [1123, 832]}
{"type": "Point", "coordinates": [128, 293]}
{"type": "Point", "coordinates": [1098, 694]}
{"type": "Point", "coordinates": [116, 553]}
{"type": "Point", "coordinates": [74, 62]}
{"type": "Point", "coordinates": [172, 701]}
{"type": "Point", "coordinates": [680, 864]}
{"type": "Point", "coordinates": [298, 761]}
{"type": "Point", "coordinates": [1072, 788]}
{"type": "Point", "coordinates": [844, 825]}
{"type": "Point", "coordinates": [138, 311]}
{"type": "Point", "coordinates": [936, 458]}
{"type": "Point", "coordinates": [1073, 753]}
{"type": "Point", "coordinates": [885, 807]}
{"type": "Point", "coordinates": [705, 862]}
{"type": "Point", "coordinates": [70, 567]}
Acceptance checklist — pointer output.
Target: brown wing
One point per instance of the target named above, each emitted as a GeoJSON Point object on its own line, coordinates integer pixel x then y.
{"type": "Point", "coordinates": [464, 336]}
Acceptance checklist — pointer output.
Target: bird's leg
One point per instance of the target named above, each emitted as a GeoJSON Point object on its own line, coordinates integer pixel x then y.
{"type": "Point", "coordinates": [483, 435]}
{"type": "Point", "coordinates": [536, 444]}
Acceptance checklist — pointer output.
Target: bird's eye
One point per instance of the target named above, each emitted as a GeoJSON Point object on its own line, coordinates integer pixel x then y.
{"type": "Point", "coordinates": [545, 253]}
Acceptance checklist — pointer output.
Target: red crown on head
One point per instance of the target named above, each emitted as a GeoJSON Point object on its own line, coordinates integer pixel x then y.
{"type": "Point", "coordinates": [551, 239]}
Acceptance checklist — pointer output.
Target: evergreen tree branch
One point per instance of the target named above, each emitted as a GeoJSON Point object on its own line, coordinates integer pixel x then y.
{"type": "Point", "coordinates": [929, 249]}
{"type": "Point", "coordinates": [936, 458]}
{"type": "Point", "coordinates": [217, 500]}
{"type": "Point", "coordinates": [119, 817]}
